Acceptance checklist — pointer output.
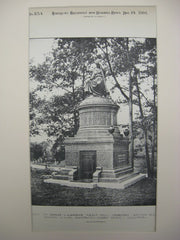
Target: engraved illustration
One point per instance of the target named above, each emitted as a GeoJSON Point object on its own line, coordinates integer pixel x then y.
{"type": "Point", "coordinates": [93, 121]}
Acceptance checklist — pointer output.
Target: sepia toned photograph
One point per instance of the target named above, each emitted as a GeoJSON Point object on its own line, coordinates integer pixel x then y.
{"type": "Point", "coordinates": [93, 121]}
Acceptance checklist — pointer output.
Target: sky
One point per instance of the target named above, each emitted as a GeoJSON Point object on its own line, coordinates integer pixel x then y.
{"type": "Point", "coordinates": [38, 48]}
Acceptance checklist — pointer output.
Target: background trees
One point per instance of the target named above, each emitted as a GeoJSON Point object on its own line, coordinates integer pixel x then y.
{"type": "Point", "coordinates": [58, 85]}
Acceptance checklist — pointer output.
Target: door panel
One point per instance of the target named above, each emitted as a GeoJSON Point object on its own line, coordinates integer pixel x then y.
{"type": "Point", "coordinates": [87, 164]}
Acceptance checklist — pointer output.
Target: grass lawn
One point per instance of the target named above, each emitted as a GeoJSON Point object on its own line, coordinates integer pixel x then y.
{"type": "Point", "coordinates": [141, 193]}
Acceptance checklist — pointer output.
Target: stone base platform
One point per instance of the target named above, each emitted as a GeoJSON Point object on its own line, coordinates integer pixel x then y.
{"type": "Point", "coordinates": [120, 183]}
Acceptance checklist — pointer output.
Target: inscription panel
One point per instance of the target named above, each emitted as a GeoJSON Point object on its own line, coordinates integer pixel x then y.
{"type": "Point", "coordinates": [121, 159]}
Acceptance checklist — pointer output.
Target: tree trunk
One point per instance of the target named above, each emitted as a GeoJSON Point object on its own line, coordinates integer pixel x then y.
{"type": "Point", "coordinates": [152, 149]}
{"type": "Point", "coordinates": [83, 81]}
{"type": "Point", "coordinates": [129, 99]}
{"type": "Point", "coordinates": [74, 111]}
{"type": "Point", "coordinates": [112, 73]}
{"type": "Point", "coordinates": [147, 153]}
{"type": "Point", "coordinates": [144, 129]}
{"type": "Point", "coordinates": [154, 128]}
{"type": "Point", "coordinates": [131, 147]}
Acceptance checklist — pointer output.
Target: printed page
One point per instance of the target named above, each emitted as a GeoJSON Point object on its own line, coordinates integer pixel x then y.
{"type": "Point", "coordinates": [93, 118]}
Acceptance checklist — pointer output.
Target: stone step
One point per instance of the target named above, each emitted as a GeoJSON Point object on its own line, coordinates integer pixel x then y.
{"type": "Point", "coordinates": [119, 179]}
{"type": "Point", "coordinates": [116, 174]}
{"type": "Point", "coordinates": [127, 176]}
{"type": "Point", "coordinates": [116, 185]}
{"type": "Point", "coordinates": [71, 184]}
{"type": "Point", "coordinates": [124, 172]}
{"type": "Point", "coordinates": [133, 180]}
{"type": "Point", "coordinates": [123, 184]}
{"type": "Point", "coordinates": [108, 180]}
{"type": "Point", "coordinates": [64, 171]}
{"type": "Point", "coordinates": [61, 177]}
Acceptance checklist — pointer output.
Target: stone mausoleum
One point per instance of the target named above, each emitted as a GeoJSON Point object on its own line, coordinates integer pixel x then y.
{"type": "Point", "coordinates": [98, 154]}
{"type": "Point", "coordinates": [98, 151]}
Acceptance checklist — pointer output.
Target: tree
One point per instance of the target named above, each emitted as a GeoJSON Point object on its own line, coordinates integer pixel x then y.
{"type": "Point", "coordinates": [64, 69]}
{"type": "Point", "coordinates": [127, 63]}
{"type": "Point", "coordinates": [69, 67]}
{"type": "Point", "coordinates": [121, 54]}
{"type": "Point", "coordinates": [128, 56]}
{"type": "Point", "coordinates": [149, 62]}
{"type": "Point", "coordinates": [36, 151]}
